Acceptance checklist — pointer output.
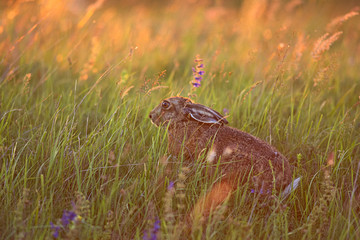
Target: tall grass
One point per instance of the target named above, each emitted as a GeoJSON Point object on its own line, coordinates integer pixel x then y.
{"type": "Point", "coordinates": [77, 84]}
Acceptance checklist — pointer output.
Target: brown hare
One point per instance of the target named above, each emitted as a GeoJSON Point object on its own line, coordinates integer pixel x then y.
{"type": "Point", "coordinates": [194, 129]}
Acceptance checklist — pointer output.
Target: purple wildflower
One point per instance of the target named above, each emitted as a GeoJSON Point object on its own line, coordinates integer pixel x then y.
{"type": "Point", "coordinates": [198, 72]}
{"type": "Point", "coordinates": [261, 192]}
{"type": "Point", "coordinates": [171, 185]}
{"type": "Point", "coordinates": [67, 217]}
{"type": "Point", "coordinates": [56, 230]}
{"type": "Point", "coordinates": [196, 84]}
{"type": "Point", "coordinates": [154, 231]}
{"type": "Point", "coordinates": [226, 111]}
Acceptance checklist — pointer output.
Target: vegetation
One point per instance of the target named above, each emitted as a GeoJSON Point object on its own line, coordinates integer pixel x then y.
{"type": "Point", "coordinates": [80, 159]}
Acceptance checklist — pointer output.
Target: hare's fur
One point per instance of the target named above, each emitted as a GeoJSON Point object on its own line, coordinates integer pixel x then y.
{"type": "Point", "coordinates": [195, 129]}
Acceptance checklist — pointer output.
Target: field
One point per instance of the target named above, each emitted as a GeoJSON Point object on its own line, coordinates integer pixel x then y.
{"type": "Point", "coordinates": [80, 158]}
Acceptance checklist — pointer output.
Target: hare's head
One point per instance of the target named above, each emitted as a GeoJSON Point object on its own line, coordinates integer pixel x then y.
{"type": "Point", "coordinates": [180, 109]}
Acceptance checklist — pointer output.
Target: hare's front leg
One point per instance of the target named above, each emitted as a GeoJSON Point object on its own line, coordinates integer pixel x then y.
{"type": "Point", "coordinates": [216, 196]}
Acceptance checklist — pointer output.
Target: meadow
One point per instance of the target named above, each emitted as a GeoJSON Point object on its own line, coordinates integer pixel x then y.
{"type": "Point", "coordinates": [80, 159]}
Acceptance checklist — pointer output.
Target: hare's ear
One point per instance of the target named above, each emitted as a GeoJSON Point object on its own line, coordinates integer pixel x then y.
{"type": "Point", "coordinates": [203, 114]}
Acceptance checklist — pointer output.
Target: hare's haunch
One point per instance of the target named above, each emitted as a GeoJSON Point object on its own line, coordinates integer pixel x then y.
{"type": "Point", "coordinates": [194, 129]}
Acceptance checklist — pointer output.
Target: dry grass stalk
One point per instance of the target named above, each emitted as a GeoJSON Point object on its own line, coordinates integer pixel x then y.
{"type": "Point", "coordinates": [250, 89]}
{"type": "Point", "coordinates": [321, 75]}
{"type": "Point", "coordinates": [321, 209]}
{"type": "Point", "coordinates": [82, 205]}
{"type": "Point", "coordinates": [89, 66]}
{"type": "Point", "coordinates": [325, 70]}
{"type": "Point", "coordinates": [180, 188]}
{"type": "Point", "coordinates": [298, 51]}
{"type": "Point", "coordinates": [338, 21]}
{"type": "Point", "coordinates": [125, 92]}
{"type": "Point", "coordinates": [168, 210]}
{"type": "Point", "coordinates": [109, 225]}
{"type": "Point", "coordinates": [26, 81]}
{"type": "Point", "coordinates": [324, 43]}
{"type": "Point", "coordinates": [20, 218]}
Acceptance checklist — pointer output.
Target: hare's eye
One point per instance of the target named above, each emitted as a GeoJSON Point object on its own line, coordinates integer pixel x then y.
{"type": "Point", "coordinates": [165, 104]}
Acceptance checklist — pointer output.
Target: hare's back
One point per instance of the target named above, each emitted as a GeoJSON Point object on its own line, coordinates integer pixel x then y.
{"type": "Point", "coordinates": [246, 143]}
{"type": "Point", "coordinates": [245, 150]}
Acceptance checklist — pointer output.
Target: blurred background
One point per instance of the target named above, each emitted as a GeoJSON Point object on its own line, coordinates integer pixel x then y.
{"type": "Point", "coordinates": [164, 35]}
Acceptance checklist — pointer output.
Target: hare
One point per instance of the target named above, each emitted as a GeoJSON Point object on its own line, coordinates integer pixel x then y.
{"type": "Point", "coordinates": [194, 129]}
